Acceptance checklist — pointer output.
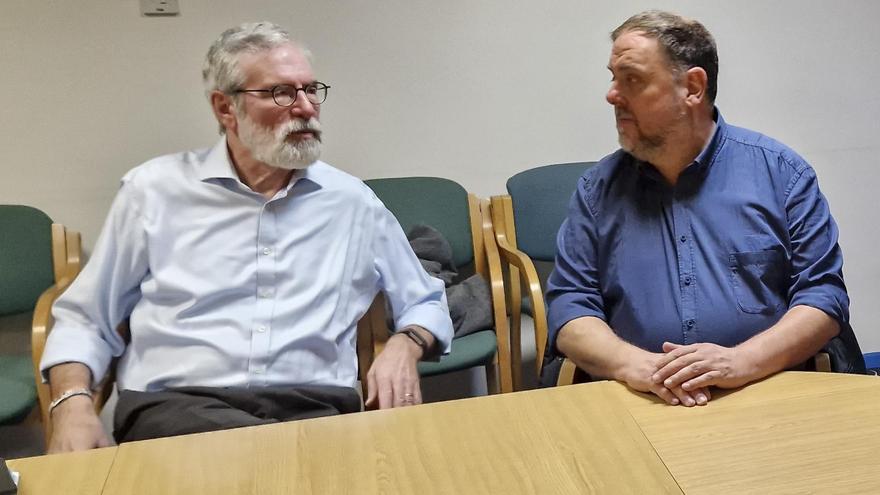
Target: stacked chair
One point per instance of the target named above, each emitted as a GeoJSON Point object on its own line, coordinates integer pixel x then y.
{"type": "Point", "coordinates": [526, 221]}
{"type": "Point", "coordinates": [38, 260]}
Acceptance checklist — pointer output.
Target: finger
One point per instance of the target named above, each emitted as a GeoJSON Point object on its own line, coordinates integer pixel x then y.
{"type": "Point", "coordinates": [684, 397]}
{"type": "Point", "coordinates": [665, 394]}
{"type": "Point", "coordinates": [670, 346]}
{"type": "Point", "coordinates": [674, 354]}
{"type": "Point", "coordinates": [371, 391]}
{"type": "Point", "coordinates": [103, 441]}
{"type": "Point", "coordinates": [386, 396]}
{"type": "Point", "coordinates": [703, 381]}
{"type": "Point", "coordinates": [417, 391]}
{"type": "Point", "coordinates": [672, 367]}
{"type": "Point", "coordinates": [692, 370]}
{"type": "Point", "coordinates": [408, 394]}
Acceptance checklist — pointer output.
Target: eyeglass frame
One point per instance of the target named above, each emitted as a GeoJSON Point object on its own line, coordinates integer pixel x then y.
{"type": "Point", "coordinates": [317, 85]}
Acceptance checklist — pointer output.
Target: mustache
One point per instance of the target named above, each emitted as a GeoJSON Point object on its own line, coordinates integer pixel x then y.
{"type": "Point", "coordinates": [618, 113]}
{"type": "Point", "coordinates": [300, 125]}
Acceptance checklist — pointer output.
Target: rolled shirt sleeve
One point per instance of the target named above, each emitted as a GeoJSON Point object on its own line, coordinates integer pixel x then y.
{"type": "Point", "coordinates": [416, 298]}
{"type": "Point", "coordinates": [102, 295]}
{"type": "Point", "coordinates": [816, 277]}
{"type": "Point", "coordinates": [573, 287]}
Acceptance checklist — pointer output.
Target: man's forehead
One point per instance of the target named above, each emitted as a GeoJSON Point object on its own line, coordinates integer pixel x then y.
{"type": "Point", "coordinates": [632, 49]}
{"type": "Point", "coordinates": [285, 61]}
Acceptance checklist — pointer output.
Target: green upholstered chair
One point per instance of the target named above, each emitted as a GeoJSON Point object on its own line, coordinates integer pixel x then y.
{"type": "Point", "coordinates": [526, 221]}
{"type": "Point", "coordinates": [458, 216]}
{"type": "Point", "coordinates": [33, 262]}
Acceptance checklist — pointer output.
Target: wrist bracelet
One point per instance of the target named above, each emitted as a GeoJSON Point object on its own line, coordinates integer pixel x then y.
{"type": "Point", "coordinates": [68, 394]}
{"type": "Point", "coordinates": [418, 339]}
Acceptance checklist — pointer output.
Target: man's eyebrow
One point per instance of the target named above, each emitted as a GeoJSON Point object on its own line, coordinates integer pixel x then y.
{"type": "Point", "coordinates": [626, 67]}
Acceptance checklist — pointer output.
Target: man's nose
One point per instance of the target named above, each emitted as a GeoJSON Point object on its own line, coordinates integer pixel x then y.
{"type": "Point", "coordinates": [303, 107]}
{"type": "Point", "coordinates": [613, 96]}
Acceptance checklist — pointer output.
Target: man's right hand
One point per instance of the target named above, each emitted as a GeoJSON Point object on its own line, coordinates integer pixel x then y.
{"type": "Point", "coordinates": [638, 376]}
{"type": "Point", "coordinates": [593, 346]}
{"type": "Point", "coordinates": [76, 426]}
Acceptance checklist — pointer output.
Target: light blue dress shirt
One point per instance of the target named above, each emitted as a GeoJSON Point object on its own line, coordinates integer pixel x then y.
{"type": "Point", "coordinates": [224, 287]}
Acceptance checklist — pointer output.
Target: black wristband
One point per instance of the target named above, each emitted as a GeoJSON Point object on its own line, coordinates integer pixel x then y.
{"type": "Point", "coordinates": [418, 339]}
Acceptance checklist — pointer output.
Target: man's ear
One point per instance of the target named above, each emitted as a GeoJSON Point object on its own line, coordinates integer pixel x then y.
{"type": "Point", "coordinates": [224, 111]}
{"type": "Point", "coordinates": [697, 84]}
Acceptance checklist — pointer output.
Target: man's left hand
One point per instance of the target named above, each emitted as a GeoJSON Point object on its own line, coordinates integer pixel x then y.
{"type": "Point", "coordinates": [702, 365]}
{"type": "Point", "coordinates": [393, 380]}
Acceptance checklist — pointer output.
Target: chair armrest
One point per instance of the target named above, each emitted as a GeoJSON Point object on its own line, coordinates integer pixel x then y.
{"type": "Point", "coordinates": [529, 275]}
{"type": "Point", "coordinates": [40, 328]}
{"type": "Point", "coordinates": [502, 211]}
{"type": "Point", "coordinates": [496, 286]}
{"type": "Point", "coordinates": [569, 374]}
{"type": "Point", "coordinates": [822, 361]}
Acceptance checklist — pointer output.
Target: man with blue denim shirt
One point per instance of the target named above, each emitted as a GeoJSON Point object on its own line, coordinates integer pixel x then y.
{"type": "Point", "coordinates": [701, 254]}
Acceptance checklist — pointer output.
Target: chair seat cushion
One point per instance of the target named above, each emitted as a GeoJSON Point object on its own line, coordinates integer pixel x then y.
{"type": "Point", "coordinates": [18, 392]}
{"type": "Point", "coordinates": [476, 349]}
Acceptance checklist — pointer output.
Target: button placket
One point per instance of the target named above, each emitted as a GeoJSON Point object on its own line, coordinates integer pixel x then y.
{"type": "Point", "coordinates": [686, 270]}
{"type": "Point", "coordinates": [266, 276]}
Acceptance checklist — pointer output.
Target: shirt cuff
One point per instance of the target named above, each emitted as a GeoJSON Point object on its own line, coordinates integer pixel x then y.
{"type": "Point", "coordinates": [77, 345]}
{"type": "Point", "coordinates": [432, 317]}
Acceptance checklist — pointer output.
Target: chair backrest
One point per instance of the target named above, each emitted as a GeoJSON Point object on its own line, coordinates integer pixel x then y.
{"type": "Point", "coordinates": [447, 207]}
{"type": "Point", "coordinates": [540, 199]}
{"type": "Point", "coordinates": [434, 201]}
{"type": "Point", "coordinates": [25, 257]}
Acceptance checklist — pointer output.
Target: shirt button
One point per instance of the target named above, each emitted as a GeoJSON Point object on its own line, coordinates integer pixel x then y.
{"type": "Point", "coordinates": [691, 323]}
{"type": "Point", "coordinates": [267, 251]}
{"type": "Point", "coordinates": [687, 281]}
{"type": "Point", "coordinates": [265, 293]}
{"type": "Point", "coordinates": [683, 238]}
{"type": "Point", "coordinates": [261, 329]}
{"type": "Point", "coordinates": [259, 369]}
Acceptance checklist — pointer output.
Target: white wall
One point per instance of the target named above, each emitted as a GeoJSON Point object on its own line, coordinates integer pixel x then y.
{"type": "Point", "coordinates": [471, 90]}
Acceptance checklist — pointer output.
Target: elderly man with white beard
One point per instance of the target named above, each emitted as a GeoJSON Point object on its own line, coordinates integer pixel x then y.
{"type": "Point", "coordinates": [242, 271]}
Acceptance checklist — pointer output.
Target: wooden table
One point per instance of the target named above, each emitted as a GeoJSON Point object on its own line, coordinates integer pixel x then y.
{"type": "Point", "coordinates": [542, 442]}
{"type": "Point", "coordinates": [792, 433]}
{"type": "Point", "coordinates": [78, 473]}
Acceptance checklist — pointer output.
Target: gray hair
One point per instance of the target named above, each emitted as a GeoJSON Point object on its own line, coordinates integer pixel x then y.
{"type": "Point", "coordinates": [221, 71]}
{"type": "Point", "coordinates": [687, 43]}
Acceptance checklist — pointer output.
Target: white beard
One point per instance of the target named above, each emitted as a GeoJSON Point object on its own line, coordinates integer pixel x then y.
{"type": "Point", "coordinates": [273, 147]}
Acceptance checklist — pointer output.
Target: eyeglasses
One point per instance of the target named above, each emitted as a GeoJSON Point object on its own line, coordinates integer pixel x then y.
{"type": "Point", "coordinates": [285, 94]}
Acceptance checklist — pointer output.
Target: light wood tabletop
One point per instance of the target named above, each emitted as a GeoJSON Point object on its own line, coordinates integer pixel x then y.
{"type": "Point", "coordinates": [795, 432]}
{"type": "Point", "coordinates": [791, 433]}
{"type": "Point", "coordinates": [78, 473]}
{"type": "Point", "coordinates": [568, 440]}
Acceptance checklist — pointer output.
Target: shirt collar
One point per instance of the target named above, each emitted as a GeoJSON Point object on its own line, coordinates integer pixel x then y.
{"type": "Point", "coordinates": [217, 164]}
{"type": "Point", "coordinates": [703, 160]}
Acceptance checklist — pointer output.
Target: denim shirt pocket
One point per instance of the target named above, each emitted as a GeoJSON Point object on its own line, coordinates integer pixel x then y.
{"type": "Point", "coordinates": [757, 278]}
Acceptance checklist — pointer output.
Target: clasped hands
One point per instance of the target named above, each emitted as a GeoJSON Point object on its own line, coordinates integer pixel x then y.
{"type": "Point", "coordinates": [682, 374]}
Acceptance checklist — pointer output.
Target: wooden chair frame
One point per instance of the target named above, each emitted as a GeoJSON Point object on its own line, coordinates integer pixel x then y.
{"type": "Point", "coordinates": [522, 276]}
{"type": "Point", "coordinates": [66, 264]}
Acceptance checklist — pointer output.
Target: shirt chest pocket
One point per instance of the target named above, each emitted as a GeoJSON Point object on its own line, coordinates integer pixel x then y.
{"type": "Point", "coordinates": [758, 280]}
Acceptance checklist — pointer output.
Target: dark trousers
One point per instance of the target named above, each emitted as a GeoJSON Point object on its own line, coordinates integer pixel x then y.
{"type": "Point", "coordinates": [180, 411]}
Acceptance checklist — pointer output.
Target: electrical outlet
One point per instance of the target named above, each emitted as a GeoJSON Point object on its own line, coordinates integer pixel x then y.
{"type": "Point", "coordinates": [159, 7]}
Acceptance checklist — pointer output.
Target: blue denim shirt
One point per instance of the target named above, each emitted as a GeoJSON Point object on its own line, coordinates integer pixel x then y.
{"type": "Point", "coordinates": [742, 237]}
